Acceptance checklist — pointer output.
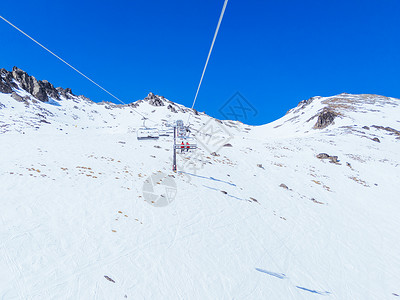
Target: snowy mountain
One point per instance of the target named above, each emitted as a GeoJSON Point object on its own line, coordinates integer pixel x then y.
{"type": "Point", "coordinates": [304, 207]}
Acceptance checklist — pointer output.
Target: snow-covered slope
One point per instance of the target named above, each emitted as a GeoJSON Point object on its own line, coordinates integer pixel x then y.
{"type": "Point", "coordinates": [262, 218]}
{"type": "Point", "coordinates": [349, 111]}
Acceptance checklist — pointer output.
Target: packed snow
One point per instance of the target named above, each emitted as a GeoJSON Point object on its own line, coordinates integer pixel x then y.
{"type": "Point", "coordinates": [261, 218]}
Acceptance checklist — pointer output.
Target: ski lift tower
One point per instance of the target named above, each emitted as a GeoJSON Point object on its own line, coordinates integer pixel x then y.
{"type": "Point", "coordinates": [181, 132]}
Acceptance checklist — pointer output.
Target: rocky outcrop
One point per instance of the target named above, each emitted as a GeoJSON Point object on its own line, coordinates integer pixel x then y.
{"type": "Point", "coordinates": [41, 90]}
{"type": "Point", "coordinates": [323, 156]}
{"type": "Point", "coordinates": [325, 118]}
{"type": "Point", "coordinates": [4, 87]}
{"type": "Point", "coordinates": [6, 83]}
{"type": "Point", "coordinates": [171, 108]}
{"type": "Point", "coordinates": [17, 97]}
{"type": "Point", "coordinates": [133, 104]}
{"type": "Point", "coordinates": [332, 159]}
{"type": "Point", "coordinates": [30, 84]}
{"type": "Point", "coordinates": [38, 91]}
{"type": "Point", "coordinates": [154, 100]}
{"type": "Point", "coordinates": [66, 93]}
{"type": "Point", "coordinates": [50, 90]}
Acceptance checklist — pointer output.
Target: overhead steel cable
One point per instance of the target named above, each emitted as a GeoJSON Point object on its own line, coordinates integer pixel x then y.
{"type": "Point", "coordinates": [72, 67]}
{"type": "Point", "coordinates": [209, 53]}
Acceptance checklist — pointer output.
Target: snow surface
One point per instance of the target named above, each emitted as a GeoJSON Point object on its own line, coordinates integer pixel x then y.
{"type": "Point", "coordinates": [75, 223]}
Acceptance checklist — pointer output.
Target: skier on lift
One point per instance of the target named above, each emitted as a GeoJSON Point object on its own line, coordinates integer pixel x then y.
{"type": "Point", "coordinates": [182, 146]}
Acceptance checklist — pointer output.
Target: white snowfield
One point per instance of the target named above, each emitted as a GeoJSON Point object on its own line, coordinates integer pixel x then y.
{"type": "Point", "coordinates": [266, 219]}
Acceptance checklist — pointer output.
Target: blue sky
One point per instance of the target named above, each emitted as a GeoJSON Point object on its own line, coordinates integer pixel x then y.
{"type": "Point", "coordinates": [275, 53]}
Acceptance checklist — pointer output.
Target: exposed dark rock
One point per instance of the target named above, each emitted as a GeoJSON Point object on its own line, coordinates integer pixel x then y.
{"type": "Point", "coordinates": [8, 77]}
{"type": "Point", "coordinates": [50, 90]}
{"type": "Point", "coordinates": [6, 81]}
{"type": "Point", "coordinates": [171, 108]}
{"type": "Point", "coordinates": [260, 166]}
{"type": "Point", "coordinates": [89, 100]}
{"type": "Point", "coordinates": [109, 279]}
{"type": "Point", "coordinates": [66, 93]}
{"type": "Point", "coordinates": [366, 127]}
{"type": "Point", "coordinates": [38, 90]}
{"type": "Point", "coordinates": [30, 84]}
{"type": "Point", "coordinates": [227, 145]}
{"type": "Point", "coordinates": [4, 87]}
{"type": "Point", "coordinates": [332, 159]}
{"type": "Point", "coordinates": [223, 192]}
{"type": "Point", "coordinates": [303, 104]}
{"type": "Point", "coordinates": [17, 97]}
{"type": "Point", "coordinates": [133, 104]}
{"type": "Point", "coordinates": [315, 201]}
{"type": "Point", "coordinates": [325, 118]}
{"type": "Point", "coordinates": [214, 154]}
{"type": "Point", "coordinates": [323, 156]}
{"type": "Point", "coordinates": [195, 112]}
{"type": "Point", "coordinates": [253, 199]}
{"type": "Point", "coordinates": [375, 139]}
{"type": "Point", "coordinates": [282, 185]}
{"type": "Point", "coordinates": [154, 100]}
{"type": "Point", "coordinates": [389, 129]}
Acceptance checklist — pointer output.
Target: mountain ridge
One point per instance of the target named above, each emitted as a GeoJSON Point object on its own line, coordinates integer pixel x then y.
{"type": "Point", "coordinates": [28, 90]}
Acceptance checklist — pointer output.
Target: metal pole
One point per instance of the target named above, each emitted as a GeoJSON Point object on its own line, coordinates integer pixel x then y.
{"type": "Point", "coordinates": [174, 152]}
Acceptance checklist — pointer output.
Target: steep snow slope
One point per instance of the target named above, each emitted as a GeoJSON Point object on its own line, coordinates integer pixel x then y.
{"type": "Point", "coordinates": [73, 208]}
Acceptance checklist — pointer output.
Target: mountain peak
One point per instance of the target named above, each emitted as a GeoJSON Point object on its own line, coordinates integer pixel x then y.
{"type": "Point", "coordinates": [155, 100]}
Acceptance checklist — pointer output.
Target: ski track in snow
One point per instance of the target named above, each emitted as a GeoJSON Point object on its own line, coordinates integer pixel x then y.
{"type": "Point", "coordinates": [277, 275]}
{"type": "Point", "coordinates": [313, 291]}
{"type": "Point", "coordinates": [283, 276]}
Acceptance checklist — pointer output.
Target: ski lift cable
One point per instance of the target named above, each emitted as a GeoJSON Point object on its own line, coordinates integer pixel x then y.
{"type": "Point", "coordinates": [69, 65]}
{"type": "Point", "coordinates": [209, 53]}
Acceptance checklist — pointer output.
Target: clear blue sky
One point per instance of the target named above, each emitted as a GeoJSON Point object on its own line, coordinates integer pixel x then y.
{"type": "Point", "coordinates": [275, 53]}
